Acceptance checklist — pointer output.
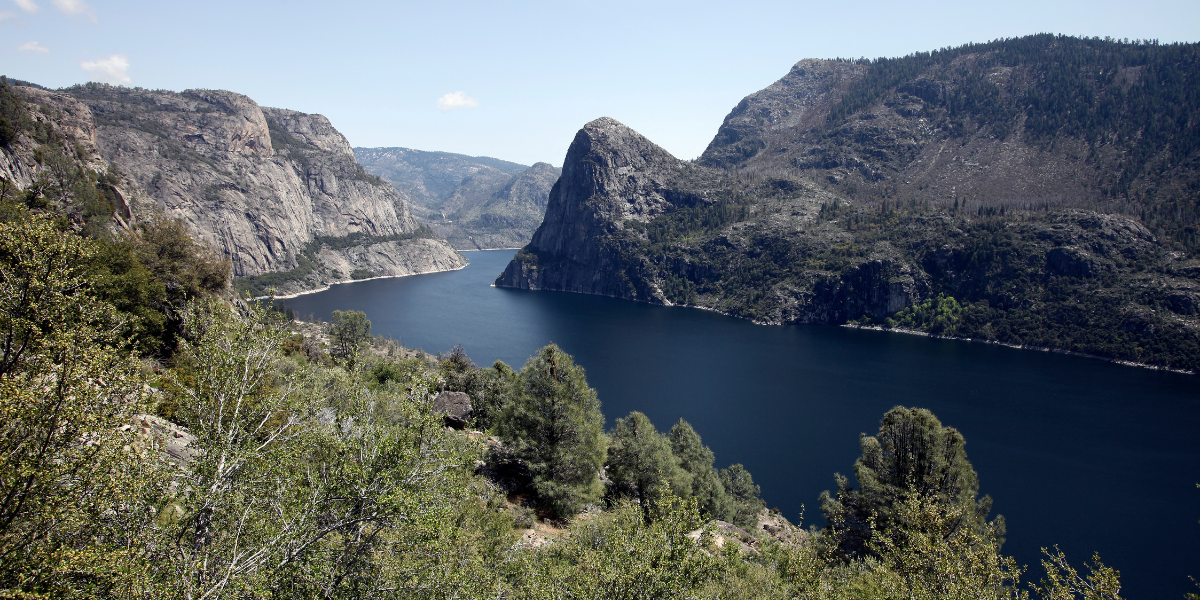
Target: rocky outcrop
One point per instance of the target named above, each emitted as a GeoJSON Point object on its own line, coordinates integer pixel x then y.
{"type": "Point", "coordinates": [69, 128]}
{"type": "Point", "coordinates": [594, 237]}
{"type": "Point", "coordinates": [454, 408]}
{"type": "Point", "coordinates": [611, 175]}
{"type": "Point", "coordinates": [800, 101]}
{"type": "Point", "coordinates": [259, 184]}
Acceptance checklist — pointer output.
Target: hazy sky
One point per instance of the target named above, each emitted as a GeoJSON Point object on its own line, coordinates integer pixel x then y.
{"type": "Point", "coordinates": [515, 80]}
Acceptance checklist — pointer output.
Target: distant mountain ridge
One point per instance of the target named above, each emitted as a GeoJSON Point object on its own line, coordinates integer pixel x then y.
{"type": "Point", "coordinates": [1042, 191]}
{"type": "Point", "coordinates": [474, 202]}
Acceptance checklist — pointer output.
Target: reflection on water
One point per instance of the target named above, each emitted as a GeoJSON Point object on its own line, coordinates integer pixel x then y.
{"type": "Point", "coordinates": [1077, 452]}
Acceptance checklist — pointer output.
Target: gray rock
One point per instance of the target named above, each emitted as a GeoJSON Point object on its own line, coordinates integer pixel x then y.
{"type": "Point", "coordinates": [455, 408]}
{"type": "Point", "coordinates": [259, 184]}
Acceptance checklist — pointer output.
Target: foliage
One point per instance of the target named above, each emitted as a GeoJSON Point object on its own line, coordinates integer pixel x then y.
{"type": "Point", "coordinates": [557, 429]}
{"type": "Point", "coordinates": [705, 483]}
{"type": "Point", "coordinates": [150, 274]}
{"type": "Point", "coordinates": [490, 389]}
{"type": "Point", "coordinates": [75, 496]}
{"type": "Point", "coordinates": [622, 556]}
{"type": "Point", "coordinates": [930, 554]}
{"type": "Point", "coordinates": [1063, 582]}
{"type": "Point", "coordinates": [744, 500]}
{"type": "Point", "coordinates": [306, 483]}
{"type": "Point", "coordinates": [641, 464]}
{"type": "Point", "coordinates": [939, 316]}
{"type": "Point", "coordinates": [912, 455]}
{"type": "Point", "coordinates": [349, 332]}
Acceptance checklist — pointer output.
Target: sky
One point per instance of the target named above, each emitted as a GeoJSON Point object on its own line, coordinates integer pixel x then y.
{"type": "Point", "coordinates": [515, 80]}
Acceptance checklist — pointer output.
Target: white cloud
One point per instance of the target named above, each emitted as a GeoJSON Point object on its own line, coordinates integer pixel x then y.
{"type": "Point", "coordinates": [33, 47]}
{"type": "Point", "coordinates": [114, 69]}
{"type": "Point", "coordinates": [27, 5]}
{"type": "Point", "coordinates": [455, 100]}
{"type": "Point", "coordinates": [7, 16]}
{"type": "Point", "coordinates": [72, 8]}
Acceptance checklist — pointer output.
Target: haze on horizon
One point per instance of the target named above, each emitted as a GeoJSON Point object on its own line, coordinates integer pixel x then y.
{"type": "Point", "coordinates": [514, 81]}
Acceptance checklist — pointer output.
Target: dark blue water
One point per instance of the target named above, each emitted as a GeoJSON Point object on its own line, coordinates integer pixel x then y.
{"type": "Point", "coordinates": [1077, 452]}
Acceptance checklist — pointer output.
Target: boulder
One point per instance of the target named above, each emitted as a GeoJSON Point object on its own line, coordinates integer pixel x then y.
{"type": "Point", "coordinates": [455, 408]}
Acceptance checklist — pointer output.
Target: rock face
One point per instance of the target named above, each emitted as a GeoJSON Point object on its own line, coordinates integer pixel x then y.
{"type": "Point", "coordinates": [798, 102]}
{"type": "Point", "coordinates": [853, 192]}
{"type": "Point", "coordinates": [594, 237]}
{"type": "Point", "coordinates": [475, 202]}
{"type": "Point", "coordinates": [611, 174]}
{"type": "Point", "coordinates": [71, 123]}
{"type": "Point", "coordinates": [455, 408]}
{"type": "Point", "coordinates": [259, 184]}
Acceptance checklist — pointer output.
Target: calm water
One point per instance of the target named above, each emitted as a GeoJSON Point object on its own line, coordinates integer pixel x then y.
{"type": "Point", "coordinates": [1076, 452]}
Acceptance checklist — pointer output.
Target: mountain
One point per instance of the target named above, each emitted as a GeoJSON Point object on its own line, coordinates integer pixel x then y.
{"type": "Point", "coordinates": [1035, 192]}
{"type": "Point", "coordinates": [277, 191]}
{"type": "Point", "coordinates": [474, 201]}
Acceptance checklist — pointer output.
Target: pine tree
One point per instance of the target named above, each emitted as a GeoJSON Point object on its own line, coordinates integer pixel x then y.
{"type": "Point", "coordinates": [557, 429]}
{"type": "Point", "coordinates": [641, 464]}
{"type": "Point", "coordinates": [912, 456]}
{"type": "Point", "coordinates": [349, 332]}
{"type": "Point", "coordinates": [743, 496]}
{"type": "Point", "coordinates": [697, 459]}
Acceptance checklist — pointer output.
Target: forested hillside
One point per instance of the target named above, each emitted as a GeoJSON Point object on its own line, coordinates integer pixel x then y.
{"type": "Point", "coordinates": [263, 458]}
{"type": "Point", "coordinates": [1040, 191]}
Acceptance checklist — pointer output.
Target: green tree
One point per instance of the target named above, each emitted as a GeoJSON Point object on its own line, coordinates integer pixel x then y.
{"type": "Point", "coordinates": [1063, 582]}
{"type": "Point", "coordinates": [913, 454]}
{"type": "Point", "coordinates": [697, 459]}
{"type": "Point", "coordinates": [619, 555]}
{"type": "Point", "coordinates": [490, 389]}
{"type": "Point", "coordinates": [641, 464]}
{"type": "Point", "coordinates": [743, 496]}
{"type": "Point", "coordinates": [308, 483]}
{"type": "Point", "coordinates": [557, 429]}
{"type": "Point", "coordinates": [349, 331]}
{"type": "Point", "coordinates": [76, 492]}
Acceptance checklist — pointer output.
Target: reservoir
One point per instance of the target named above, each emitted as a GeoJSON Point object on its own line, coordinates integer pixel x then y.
{"type": "Point", "coordinates": [1078, 452]}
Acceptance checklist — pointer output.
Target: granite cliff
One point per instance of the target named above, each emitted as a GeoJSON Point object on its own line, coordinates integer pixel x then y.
{"type": "Point", "coordinates": [475, 202]}
{"type": "Point", "coordinates": [987, 192]}
{"type": "Point", "coordinates": [267, 187]}
{"type": "Point", "coordinates": [621, 196]}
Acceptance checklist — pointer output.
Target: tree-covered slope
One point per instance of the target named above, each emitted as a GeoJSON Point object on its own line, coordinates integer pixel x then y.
{"type": "Point", "coordinates": [1040, 121]}
{"type": "Point", "coordinates": [1029, 192]}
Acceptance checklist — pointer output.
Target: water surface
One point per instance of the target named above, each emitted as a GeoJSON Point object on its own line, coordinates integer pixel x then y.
{"type": "Point", "coordinates": [1078, 452]}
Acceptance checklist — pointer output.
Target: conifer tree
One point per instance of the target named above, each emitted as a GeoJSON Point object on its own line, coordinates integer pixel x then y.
{"type": "Point", "coordinates": [913, 455]}
{"type": "Point", "coordinates": [744, 499]}
{"type": "Point", "coordinates": [697, 460]}
{"type": "Point", "coordinates": [557, 429]}
{"type": "Point", "coordinates": [641, 464]}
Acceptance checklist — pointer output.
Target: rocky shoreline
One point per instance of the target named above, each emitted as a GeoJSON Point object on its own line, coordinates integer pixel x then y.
{"type": "Point", "coordinates": [1127, 363]}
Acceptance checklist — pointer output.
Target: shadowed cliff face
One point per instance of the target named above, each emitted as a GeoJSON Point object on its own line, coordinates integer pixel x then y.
{"type": "Point", "coordinates": [749, 229]}
{"type": "Point", "coordinates": [617, 201]}
{"type": "Point", "coordinates": [611, 174]}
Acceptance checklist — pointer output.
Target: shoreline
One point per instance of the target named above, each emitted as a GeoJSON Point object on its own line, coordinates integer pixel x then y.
{"type": "Point", "coordinates": [1119, 361]}
{"type": "Point", "coordinates": [329, 285]}
{"type": "Point", "coordinates": [1127, 363]}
